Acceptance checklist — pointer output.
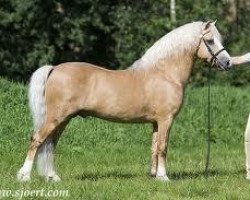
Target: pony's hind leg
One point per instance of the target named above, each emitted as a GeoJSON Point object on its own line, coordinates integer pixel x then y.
{"type": "Point", "coordinates": [45, 155]}
{"type": "Point", "coordinates": [24, 173]}
{"type": "Point", "coordinates": [38, 138]}
{"type": "Point", "coordinates": [154, 151]}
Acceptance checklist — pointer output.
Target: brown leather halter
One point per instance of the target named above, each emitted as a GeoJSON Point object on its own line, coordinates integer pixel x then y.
{"type": "Point", "coordinates": [214, 55]}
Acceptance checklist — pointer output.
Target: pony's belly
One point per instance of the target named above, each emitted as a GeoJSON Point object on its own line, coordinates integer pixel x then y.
{"type": "Point", "coordinates": [125, 117]}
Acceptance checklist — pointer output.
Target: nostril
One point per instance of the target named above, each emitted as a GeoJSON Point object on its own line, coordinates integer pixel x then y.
{"type": "Point", "coordinates": [228, 63]}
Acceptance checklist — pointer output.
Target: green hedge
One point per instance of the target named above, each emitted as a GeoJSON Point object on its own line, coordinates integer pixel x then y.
{"type": "Point", "coordinates": [110, 33]}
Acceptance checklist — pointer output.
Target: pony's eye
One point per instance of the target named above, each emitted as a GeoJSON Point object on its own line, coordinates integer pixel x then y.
{"type": "Point", "coordinates": [210, 41]}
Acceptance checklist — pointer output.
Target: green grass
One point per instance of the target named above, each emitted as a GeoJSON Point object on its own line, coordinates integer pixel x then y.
{"type": "Point", "coordinates": [103, 160]}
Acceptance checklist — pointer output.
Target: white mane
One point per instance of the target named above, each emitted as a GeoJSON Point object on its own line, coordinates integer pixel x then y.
{"type": "Point", "coordinates": [182, 39]}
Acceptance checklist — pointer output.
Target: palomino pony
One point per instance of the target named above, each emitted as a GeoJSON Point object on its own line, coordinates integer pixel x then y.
{"type": "Point", "coordinates": [151, 91]}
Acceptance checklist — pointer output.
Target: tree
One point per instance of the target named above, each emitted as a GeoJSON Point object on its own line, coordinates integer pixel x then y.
{"type": "Point", "coordinates": [109, 33]}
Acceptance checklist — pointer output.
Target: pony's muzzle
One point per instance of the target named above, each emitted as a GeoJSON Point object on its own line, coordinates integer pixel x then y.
{"type": "Point", "coordinates": [224, 63]}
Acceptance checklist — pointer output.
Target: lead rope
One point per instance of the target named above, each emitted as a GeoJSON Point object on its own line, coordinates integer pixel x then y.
{"type": "Point", "coordinates": [208, 123]}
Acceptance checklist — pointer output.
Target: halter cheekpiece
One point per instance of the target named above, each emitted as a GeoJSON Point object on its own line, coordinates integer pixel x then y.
{"type": "Point", "coordinates": [214, 55]}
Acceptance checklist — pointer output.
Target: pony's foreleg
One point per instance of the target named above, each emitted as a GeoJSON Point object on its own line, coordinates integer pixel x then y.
{"type": "Point", "coordinates": [162, 140]}
{"type": "Point", "coordinates": [247, 148]}
{"type": "Point", "coordinates": [154, 151]}
{"type": "Point", "coordinates": [37, 140]}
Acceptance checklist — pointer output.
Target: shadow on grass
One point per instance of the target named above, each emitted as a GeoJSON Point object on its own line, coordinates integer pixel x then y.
{"type": "Point", "coordinates": [104, 175]}
{"type": "Point", "coordinates": [199, 174]}
{"type": "Point", "coordinates": [94, 176]}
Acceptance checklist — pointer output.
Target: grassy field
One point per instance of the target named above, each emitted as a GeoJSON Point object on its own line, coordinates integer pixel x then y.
{"type": "Point", "coordinates": [103, 160]}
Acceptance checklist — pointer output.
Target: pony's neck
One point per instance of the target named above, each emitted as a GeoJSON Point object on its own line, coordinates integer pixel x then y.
{"type": "Point", "coordinates": [178, 69]}
{"type": "Point", "coordinates": [173, 54]}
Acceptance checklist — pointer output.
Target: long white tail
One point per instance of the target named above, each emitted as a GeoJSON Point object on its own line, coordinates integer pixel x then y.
{"type": "Point", "coordinates": [38, 110]}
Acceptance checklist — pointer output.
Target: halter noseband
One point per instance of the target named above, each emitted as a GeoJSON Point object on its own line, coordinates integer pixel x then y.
{"type": "Point", "coordinates": [214, 55]}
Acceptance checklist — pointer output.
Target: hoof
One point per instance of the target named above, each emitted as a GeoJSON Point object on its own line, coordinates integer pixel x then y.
{"type": "Point", "coordinates": [162, 178]}
{"type": "Point", "coordinates": [53, 178]}
{"type": "Point", "coordinates": [23, 177]}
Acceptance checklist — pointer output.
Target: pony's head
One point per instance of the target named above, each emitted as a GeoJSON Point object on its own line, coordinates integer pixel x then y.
{"type": "Point", "coordinates": [211, 49]}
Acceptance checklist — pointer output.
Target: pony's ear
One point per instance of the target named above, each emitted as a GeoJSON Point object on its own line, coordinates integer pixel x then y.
{"type": "Point", "coordinates": [207, 24]}
{"type": "Point", "coordinates": [206, 27]}
{"type": "Point", "coordinates": [214, 22]}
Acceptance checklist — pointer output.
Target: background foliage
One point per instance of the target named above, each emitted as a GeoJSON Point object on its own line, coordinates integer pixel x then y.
{"type": "Point", "coordinates": [109, 33]}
